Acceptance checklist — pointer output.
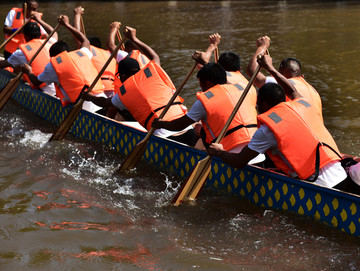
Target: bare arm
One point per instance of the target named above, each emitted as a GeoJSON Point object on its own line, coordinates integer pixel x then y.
{"type": "Point", "coordinates": [174, 125]}
{"type": "Point", "coordinates": [236, 160]}
{"type": "Point", "coordinates": [99, 101]}
{"type": "Point", "coordinates": [84, 42]}
{"type": "Point", "coordinates": [8, 30]}
{"type": "Point", "coordinates": [266, 62]}
{"type": "Point", "coordinates": [26, 68]}
{"type": "Point", "coordinates": [203, 58]}
{"type": "Point", "coordinates": [262, 45]}
{"type": "Point", "coordinates": [4, 64]}
{"type": "Point", "coordinates": [130, 33]}
{"type": "Point", "coordinates": [78, 11]}
{"type": "Point", "coordinates": [114, 28]}
{"type": "Point", "coordinates": [48, 28]}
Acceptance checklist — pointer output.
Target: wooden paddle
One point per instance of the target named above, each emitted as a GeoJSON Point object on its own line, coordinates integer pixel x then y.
{"type": "Point", "coordinates": [75, 111]}
{"type": "Point", "coordinates": [10, 88]}
{"type": "Point", "coordinates": [140, 148]}
{"type": "Point", "coordinates": [120, 38]}
{"type": "Point", "coordinates": [193, 184]}
{"type": "Point", "coordinates": [216, 55]}
{"type": "Point", "coordinates": [24, 12]}
{"type": "Point", "coordinates": [13, 35]}
{"type": "Point", "coordinates": [82, 25]}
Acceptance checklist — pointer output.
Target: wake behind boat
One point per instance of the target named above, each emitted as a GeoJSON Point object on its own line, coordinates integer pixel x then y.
{"type": "Point", "coordinates": [260, 186]}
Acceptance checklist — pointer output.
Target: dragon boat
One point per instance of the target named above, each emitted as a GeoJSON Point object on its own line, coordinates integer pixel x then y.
{"type": "Point", "coordinates": [261, 187]}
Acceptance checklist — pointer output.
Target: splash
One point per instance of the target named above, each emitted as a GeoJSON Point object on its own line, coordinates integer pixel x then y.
{"type": "Point", "coordinates": [35, 139]}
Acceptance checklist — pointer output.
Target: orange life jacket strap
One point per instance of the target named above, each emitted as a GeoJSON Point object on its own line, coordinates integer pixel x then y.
{"type": "Point", "coordinates": [317, 159]}
{"type": "Point", "coordinates": [234, 129]}
{"type": "Point", "coordinates": [157, 109]}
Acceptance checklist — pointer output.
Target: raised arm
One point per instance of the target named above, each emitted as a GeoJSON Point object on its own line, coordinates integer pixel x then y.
{"type": "Point", "coordinates": [266, 62]}
{"type": "Point", "coordinates": [203, 58]}
{"type": "Point", "coordinates": [78, 11]}
{"type": "Point", "coordinates": [262, 44]}
{"type": "Point", "coordinates": [130, 33]}
{"type": "Point", "coordinates": [114, 28]}
{"type": "Point", "coordinates": [48, 28]}
{"type": "Point", "coordinates": [84, 42]}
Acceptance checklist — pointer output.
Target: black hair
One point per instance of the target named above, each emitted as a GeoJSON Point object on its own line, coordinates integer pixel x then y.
{"type": "Point", "coordinates": [292, 65]}
{"type": "Point", "coordinates": [128, 66]}
{"type": "Point", "coordinates": [32, 31]}
{"type": "Point", "coordinates": [95, 41]}
{"type": "Point", "coordinates": [58, 47]}
{"type": "Point", "coordinates": [271, 94]}
{"type": "Point", "coordinates": [212, 72]}
{"type": "Point", "coordinates": [230, 61]}
{"type": "Point", "coordinates": [130, 46]}
{"type": "Point", "coordinates": [29, 1]}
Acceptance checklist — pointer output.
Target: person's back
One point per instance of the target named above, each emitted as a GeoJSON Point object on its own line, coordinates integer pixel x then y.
{"type": "Point", "coordinates": [146, 93]}
{"type": "Point", "coordinates": [14, 20]}
{"type": "Point", "coordinates": [72, 72]}
{"type": "Point", "coordinates": [75, 71]}
{"type": "Point", "coordinates": [291, 68]}
{"type": "Point", "coordinates": [231, 62]}
{"type": "Point", "coordinates": [290, 133]}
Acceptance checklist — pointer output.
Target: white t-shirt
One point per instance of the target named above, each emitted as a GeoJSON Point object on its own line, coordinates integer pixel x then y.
{"type": "Point", "coordinates": [329, 175]}
{"type": "Point", "coordinates": [115, 100]}
{"type": "Point", "coordinates": [198, 112]}
{"type": "Point", "coordinates": [120, 55]}
{"type": "Point", "coordinates": [19, 58]}
{"type": "Point", "coordinates": [49, 75]}
{"type": "Point", "coordinates": [270, 79]}
{"type": "Point", "coordinates": [10, 18]}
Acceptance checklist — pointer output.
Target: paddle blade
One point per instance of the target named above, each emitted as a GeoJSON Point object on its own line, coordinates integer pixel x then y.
{"type": "Point", "coordinates": [8, 91]}
{"type": "Point", "coordinates": [196, 178]}
{"type": "Point", "coordinates": [134, 156]}
{"type": "Point", "coordinates": [65, 126]}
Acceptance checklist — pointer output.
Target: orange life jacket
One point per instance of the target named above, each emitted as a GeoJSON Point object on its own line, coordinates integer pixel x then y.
{"type": "Point", "coordinates": [298, 129]}
{"type": "Point", "coordinates": [146, 94]}
{"type": "Point", "coordinates": [18, 39]}
{"type": "Point", "coordinates": [41, 60]}
{"type": "Point", "coordinates": [100, 56]}
{"type": "Point", "coordinates": [307, 91]}
{"type": "Point", "coordinates": [219, 102]}
{"type": "Point", "coordinates": [74, 70]}
{"type": "Point", "coordinates": [139, 57]}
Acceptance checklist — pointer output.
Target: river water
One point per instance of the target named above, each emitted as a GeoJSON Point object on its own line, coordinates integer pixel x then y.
{"type": "Point", "coordinates": [63, 209]}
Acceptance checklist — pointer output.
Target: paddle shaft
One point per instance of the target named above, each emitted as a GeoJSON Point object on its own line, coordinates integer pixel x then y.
{"type": "Point", "coordinates": [198, 176]}
{"type": "Point", "coordinates": [10, 88]}
{"type": "Point", "coordinates": [216, 55]}
{"type": "Point", "coordinates": [120, 38]}
{"type": "Point", "coordinates": [82, 25]}
{"type": "Point", "coordinates": [24, 11]}
{"type": "Point", "coordinates": [65, 126]}
{"type": "Point", "coordinates": [140, 148]}
{"type": "Point", "coordinates": [13, 35]}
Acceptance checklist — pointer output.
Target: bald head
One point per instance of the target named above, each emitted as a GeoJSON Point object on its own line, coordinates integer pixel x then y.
{"type": "Point", "coordinates": [290, 67]}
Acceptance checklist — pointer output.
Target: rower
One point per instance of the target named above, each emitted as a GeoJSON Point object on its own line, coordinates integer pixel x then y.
{"type": "Point", "coordinates": [145, 92]}
{"type": "Point", "coordinates": [14, 20]}
{"type": "Point", "coordinates": [22, 55]}
{"type": "Point", "coordinates": [213, 108]}
{"type": "Point", "coordinates": [291, 133]}
{"type": "Point", "coordinates": [290, 68]}
{"type": "Point", "coordinates": [100, 56]}
{"type": "Point", "coordinates": [70, 71]}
